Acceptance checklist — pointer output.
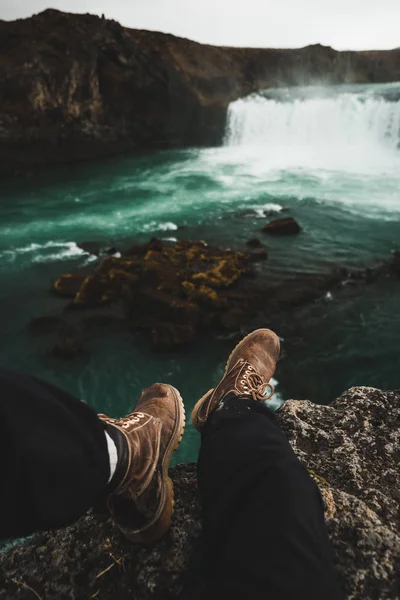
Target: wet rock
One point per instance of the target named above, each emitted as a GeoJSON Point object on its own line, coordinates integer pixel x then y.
{"type": "Point", "coordinates": [270, 212]}
{"type": "Point", "coordinates": [94, 291]}
{"type": "Point", "coordinates": [351, 449]}
{"type": "Point", "coordinates": [257, 255]}
{"type": "Point", "coordinates": [288, 226]}
{"type": "Point", "coordinates": [175, 291]}
{"type": "Point", "coordinates": [167, 289]}
{"type": "Point", "coordinates": [254, 243]}
{"type": "Point", "coordinates": [68, 285]}
{"type": "Point", "coordinates": [90, 247]}
{"type": "Point", "coordinates": [67, 348]}
{"type": "Point", "coordinates": [97, 248]}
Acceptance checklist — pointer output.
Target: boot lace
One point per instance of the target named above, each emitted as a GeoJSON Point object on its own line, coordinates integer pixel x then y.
{"type": "Point", "coordinates": [254, 385]}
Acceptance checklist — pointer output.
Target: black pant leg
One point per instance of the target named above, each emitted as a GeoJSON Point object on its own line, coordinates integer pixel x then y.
{"type": "Point", "coordinates": [53, 453]}
{"type": "Point", "coordinates": [264, 529]}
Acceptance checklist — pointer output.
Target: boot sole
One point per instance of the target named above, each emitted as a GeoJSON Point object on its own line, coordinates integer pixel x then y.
{"type": "Point", "coordinates": [156, 530]}
{"type": "Point", "coordinates": [195, 412]}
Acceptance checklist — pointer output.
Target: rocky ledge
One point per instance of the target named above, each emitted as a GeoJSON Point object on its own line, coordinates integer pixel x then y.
{"type": "Point", "coordinates": [352, 450]}
{"type": "Point", "coordinates": [75, 87]}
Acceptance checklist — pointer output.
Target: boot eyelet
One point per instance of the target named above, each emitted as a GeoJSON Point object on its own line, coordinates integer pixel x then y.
{"type": "Point", "coordinates": [268, 391]}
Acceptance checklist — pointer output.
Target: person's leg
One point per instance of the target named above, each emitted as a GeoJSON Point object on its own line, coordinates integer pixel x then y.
{"type": "Point", "coordinates": [53, 455]}
{"type": "Point", "coordinates": [263, 517]}
{"type": "Point", "coordinates": [55, 462]}
{"type": "Point", "coordinates": [264, 529]}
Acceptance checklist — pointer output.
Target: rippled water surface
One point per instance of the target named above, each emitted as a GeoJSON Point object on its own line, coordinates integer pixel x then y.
{"type": "Point", "coordinates": [328, 156]}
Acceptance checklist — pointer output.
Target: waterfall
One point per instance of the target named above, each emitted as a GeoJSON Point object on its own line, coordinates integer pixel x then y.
{"type": "Point", "coordinates": [344, 122]}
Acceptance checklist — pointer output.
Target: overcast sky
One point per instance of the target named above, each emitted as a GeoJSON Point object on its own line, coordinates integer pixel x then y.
{"type": "Point", "coordinates": [343, 24]}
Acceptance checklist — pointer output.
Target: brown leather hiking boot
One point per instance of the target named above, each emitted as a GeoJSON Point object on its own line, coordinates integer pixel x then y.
{"type": "Point", "coordinates": [142, 499]}
{"type": "Point", "coordinates": [248, 371]}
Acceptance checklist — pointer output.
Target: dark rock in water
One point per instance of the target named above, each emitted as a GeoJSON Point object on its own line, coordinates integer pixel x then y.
{"type": "Point", "coordinates": [169, 290]}
{"type": "Point", "coordinates": [67, 348]}
{"type": "Point", "coordinates": [90, 247]}
{"type": "Point", "coordinates": [282, 227]}
{"type": "Point", "coordinates": [254, 243]}
{"type": "Point", "coordinates": [76, 86]}
{"type": "Point", "coordinates": [96, 291]}
{"type": "Point", "coordinates": [68, 285]}
{"type": "Point", "coordinates": [351, 449]}
{"type": "Point", "coordinates": [97, 248]}
{"type": "Point", "coordinates": [257, 255]}
{"type": "Point", "coordinates": [271, 212]}
{"type": "Point", "coordinates": [174, 291]}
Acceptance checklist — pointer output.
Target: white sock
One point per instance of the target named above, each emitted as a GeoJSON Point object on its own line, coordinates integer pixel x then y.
{"type": "Point", "coordinates": [113, 454]}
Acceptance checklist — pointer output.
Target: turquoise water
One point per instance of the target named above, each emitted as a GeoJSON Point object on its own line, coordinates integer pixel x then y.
{"type": "Point", "coordinates": [331, 159]}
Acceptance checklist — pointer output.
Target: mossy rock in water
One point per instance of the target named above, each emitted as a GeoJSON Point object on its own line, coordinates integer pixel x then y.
{"type": "Point", "coordinates": [68, 285]}
{"type": "Point", "coordinates": [169, 290]}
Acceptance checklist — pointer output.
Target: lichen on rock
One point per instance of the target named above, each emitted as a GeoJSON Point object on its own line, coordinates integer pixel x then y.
{"type": "Point", "coordinates": [169, 290]}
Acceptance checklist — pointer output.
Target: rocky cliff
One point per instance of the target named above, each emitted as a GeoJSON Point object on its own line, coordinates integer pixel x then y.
{"type": "Point", "coordinates": [351, 449]}
{"type": "Point", "coordinates": [73, 87]}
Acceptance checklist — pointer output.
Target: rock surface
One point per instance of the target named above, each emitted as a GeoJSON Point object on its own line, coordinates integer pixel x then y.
{"type": "Point", "coordinates": [174, 292]}
{"type": "Point", "coordinates": [74, 87]}
{"type": "Point", "coordinates": [171, 291]}
{"type": "Point", "coordinates": [287, 226]}
{"type": "Point", "coordinates": [254, 243]}
{"type": "Point", "coordinates": [351, 449]}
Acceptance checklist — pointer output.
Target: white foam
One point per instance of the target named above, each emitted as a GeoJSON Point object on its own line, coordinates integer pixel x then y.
{"type": "Point", "coordinates": [155, 226]}
{"type": "Point", "coordinates": [67, 250]}
{"type": "Point", "coordinates": [45, 252]}
{"type": "Point", "coordinates": [91, 258]}
{"type": "Point", "coordinates": [34, 248]}
{"type": "Point", "coordinates": [270, 207]}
